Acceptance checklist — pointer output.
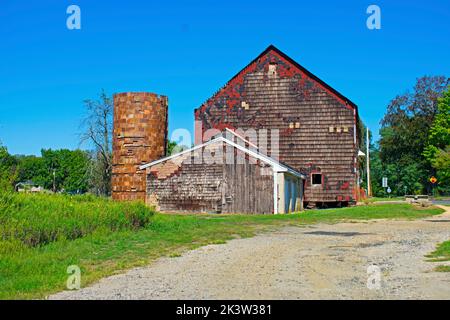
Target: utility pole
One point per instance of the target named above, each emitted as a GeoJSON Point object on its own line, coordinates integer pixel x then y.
{"type": "Point", "coordinates": [369, 189]}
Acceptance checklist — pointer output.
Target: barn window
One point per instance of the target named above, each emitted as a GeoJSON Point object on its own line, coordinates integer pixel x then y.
{"type": "Point", "coordinates": [316, 178]}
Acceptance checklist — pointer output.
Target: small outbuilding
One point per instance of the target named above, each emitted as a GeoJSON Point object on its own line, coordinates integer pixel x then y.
{"type": "Point", "coordinates": [223, 175]}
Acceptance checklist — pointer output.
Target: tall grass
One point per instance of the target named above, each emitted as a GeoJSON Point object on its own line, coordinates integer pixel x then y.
{"type": "Point", "coordinates": [39, 219]}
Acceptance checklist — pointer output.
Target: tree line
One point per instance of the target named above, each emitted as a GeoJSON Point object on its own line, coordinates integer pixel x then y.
{"type": "Point", "coordinates": [414, 142]}
{"type": "Point", "coordinates": [73, 171]}
{"type": "Point", "coordinates": [54, 170]}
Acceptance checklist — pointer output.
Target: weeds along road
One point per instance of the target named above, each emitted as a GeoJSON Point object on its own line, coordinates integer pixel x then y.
{"type": "Point", "coordinates": [315, 262]}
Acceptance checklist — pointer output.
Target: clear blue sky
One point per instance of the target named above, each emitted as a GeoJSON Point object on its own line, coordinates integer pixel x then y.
{"type": "Point", "coordinates": [187, 50]}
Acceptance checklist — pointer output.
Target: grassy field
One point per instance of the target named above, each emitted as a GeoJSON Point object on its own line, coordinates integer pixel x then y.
{"type": "Point", "coordinates": [34, 220]}
{"type": "Point", "coordinates": [442, 253]}
{"type": "Point", "coordinates": [103, 237]}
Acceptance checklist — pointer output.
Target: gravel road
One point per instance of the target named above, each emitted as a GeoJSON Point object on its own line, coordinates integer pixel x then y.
{"type": "Point", "coordinates": [323, 261]}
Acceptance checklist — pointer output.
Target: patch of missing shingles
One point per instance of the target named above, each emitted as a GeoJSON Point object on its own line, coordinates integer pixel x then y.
{"type": "Point", "coordinates": [338, 234]}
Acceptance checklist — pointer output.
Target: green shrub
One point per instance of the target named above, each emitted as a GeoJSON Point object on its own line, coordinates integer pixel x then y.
{"type": "Point", "coordinates": [37, 219]}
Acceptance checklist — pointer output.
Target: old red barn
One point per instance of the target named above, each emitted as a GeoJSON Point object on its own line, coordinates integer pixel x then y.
{"type": "Point", "coordinates": [306, 123]}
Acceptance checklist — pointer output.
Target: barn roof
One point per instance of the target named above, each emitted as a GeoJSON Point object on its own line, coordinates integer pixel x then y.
{"type": "Point", "coordinates": [276, 165]}
{"type": "Point", "coordinates": [270, 48]}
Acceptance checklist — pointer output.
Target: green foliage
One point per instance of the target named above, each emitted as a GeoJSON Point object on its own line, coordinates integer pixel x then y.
{"type": "Point", "coordinates": [406, 131]}
{"type": "Point", "coordinates": [8, 170]}
{"type": "Point", "coordinates": [441, 163]}
{"type": "Point", "coordinates": [31, 168]}
{"type": "Point", "coordinates": [402, 179]}
{"type": "Point", "coordinates": [437, 152]}
{"type": "Point", "coordinates": [442, 253]}
{"type": "Point", "coordinates": [171, 145]}
{"type": "Point", "coordinates": [439, 135]}
{"type": "Point", "coordinates": [173, 148]}
{"type": "Point", "coordinates": [377, 173]}
{"type": "Point", "coordinates": [39, 219]}
{"type": "Point", "coordinates": [377, 170]}
{"type": "Point", "coordinates": [70, 169]}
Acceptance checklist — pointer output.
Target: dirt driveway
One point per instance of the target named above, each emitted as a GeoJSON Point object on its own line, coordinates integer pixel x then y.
{"type": "Point", "coordinates": [316, 262]}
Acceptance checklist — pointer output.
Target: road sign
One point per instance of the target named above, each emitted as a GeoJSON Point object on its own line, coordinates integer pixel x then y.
{"type": "Point", "coordinates": [389, 190]}
{"type": "Point", "coordinates": [384, 182]}
{"type": "Point", "coordinates": [433, 180]}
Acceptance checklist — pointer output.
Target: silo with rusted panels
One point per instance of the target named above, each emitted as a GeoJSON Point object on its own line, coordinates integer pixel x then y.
{"type": "Point", "coordinates": [139, 137]}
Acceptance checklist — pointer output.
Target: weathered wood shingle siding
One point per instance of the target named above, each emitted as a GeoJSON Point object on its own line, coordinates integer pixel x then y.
{"type": "Point", "coordinates": [287, 99]}
{"type": "Point", "coordinates": [248, 188]}
{"type": "Point", "coordinates": [215, 188]}
{"type": "Point", "coordinates": [194, 187]}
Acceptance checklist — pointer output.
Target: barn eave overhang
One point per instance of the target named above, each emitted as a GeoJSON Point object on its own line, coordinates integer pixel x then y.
{"type": "Point", "coordinates": [276, 166]}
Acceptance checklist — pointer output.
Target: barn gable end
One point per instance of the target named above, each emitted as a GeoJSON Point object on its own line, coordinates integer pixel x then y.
{"type": "Point", "coordinates": [316, 125]}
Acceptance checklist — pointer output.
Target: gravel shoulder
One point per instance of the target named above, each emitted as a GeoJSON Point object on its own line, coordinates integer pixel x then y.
{"type": "Point", "coordinates": [322, 261]}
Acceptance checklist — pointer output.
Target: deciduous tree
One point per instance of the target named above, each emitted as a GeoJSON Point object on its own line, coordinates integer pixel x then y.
{"type": "Point", "coordinates": [97, 130]}
{"type": "Point", "coordinates": [437, 152]}
{"type": "Point", "coordinates": [405, 133]}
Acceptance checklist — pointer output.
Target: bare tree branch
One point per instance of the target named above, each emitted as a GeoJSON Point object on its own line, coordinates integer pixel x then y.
{"type": "Point", "coordinates": [97, 130]}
